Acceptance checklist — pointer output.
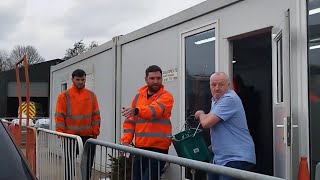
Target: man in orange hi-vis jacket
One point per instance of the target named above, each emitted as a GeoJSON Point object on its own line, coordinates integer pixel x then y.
{"type": "Point", "coordinates": [77, 112]}
{"type": "Point", "coordinates": [148, 121]}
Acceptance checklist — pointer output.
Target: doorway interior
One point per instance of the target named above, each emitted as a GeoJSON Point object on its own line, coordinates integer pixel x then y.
{"type": "Point", "coordinates": [252, 80]}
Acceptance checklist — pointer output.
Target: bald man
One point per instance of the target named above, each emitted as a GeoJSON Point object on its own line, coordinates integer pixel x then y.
{"type": "Point", "coordinates": [231, 141]}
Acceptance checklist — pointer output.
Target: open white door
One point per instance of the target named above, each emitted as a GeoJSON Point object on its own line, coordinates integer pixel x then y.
{"type": "Point", "coordinates": [281, 98]}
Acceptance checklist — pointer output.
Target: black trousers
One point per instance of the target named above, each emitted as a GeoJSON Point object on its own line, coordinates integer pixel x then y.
{"type": "Point", "coordinates": [141, 166]}
{"type": "Point", "coordinates": [70, 160]}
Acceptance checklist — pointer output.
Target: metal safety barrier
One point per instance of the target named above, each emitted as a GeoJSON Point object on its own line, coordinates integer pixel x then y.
{"type": "Point", "coordinates": [118, 162]}
{"type": "Point", "coordinates": [16, 132]}
{"type": "Point", "coordinates": [19, 133]}
{"type": "Point", "coordinates": [31, 139]}
{"type": "Point", "coordinates": [58, 155]}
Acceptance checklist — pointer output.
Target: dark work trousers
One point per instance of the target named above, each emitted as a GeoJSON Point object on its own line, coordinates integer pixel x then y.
{"type": "Point", "coordinates": [141, 166]}
{"type": "Point", "coordinates": [243, 165]}
{"type": "Point", "coordinates": [71, 161]}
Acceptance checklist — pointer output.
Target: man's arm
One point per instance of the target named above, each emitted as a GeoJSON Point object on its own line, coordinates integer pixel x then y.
{"type": "Point", "coordinates": [129, 124]}
{"type": "Point", "coordinates": [223, 110]}
{"type": "Point", "coordinates": [61, 113]}
{"type": "Point", "coordinates": [157, 108]}
{"type": "Point", "coordinates": [207, 120]}
{"type": "Point", "coordinates": [96, 119]}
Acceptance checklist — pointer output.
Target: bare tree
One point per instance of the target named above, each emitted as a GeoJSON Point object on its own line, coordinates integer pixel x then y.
{"type": "Point", "coordinates": [4, 61]}
{"type": "Point", "coordinates": [93, 44]}
{"type": "Point", "coordinates": [78, 48]}
{"type": "Point", "coordinates": [19, 51]}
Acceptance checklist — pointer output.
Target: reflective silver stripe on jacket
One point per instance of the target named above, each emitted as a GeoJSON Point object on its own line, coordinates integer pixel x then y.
{"type": "Point", "coordinates": [96, 112]}
{"type": "Point", "coordinates": [92, 99]}
{"type": "Point", "coordinates": [135, 103]}
{"type": "Point", "coordinates": [68, 103]}
{"type": "Point", "coordinates": [78, 128]}
{"type": "Point", "coordinates": [161, 106]}
{"type": "Point", "coordinates": [60, 125]}
{"type": "Point", "coordinates": [80, 116]}
{"type": "Point", "coordinates": [153, 112]}
{"type": "Point", "coordinates": [60, 114]}
{"type": "Point", "coordinates": [136, 100]}
{"type": "Point", "coordinates": [129, 121]}
{"type": "Point", "coordinates": [152, 134]}
{"type": "Point", "coordinates": [160, 95]}
{"type": "Point", "coordinates": [96, 122]}
{"type": "Point", "coordinates": [128, 130]}
{"type": "Point", "coordinates": [161, 121]}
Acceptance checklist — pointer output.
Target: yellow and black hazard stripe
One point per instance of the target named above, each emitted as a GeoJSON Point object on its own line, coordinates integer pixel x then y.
{"type": "Point", "coordinates": [32, 109]}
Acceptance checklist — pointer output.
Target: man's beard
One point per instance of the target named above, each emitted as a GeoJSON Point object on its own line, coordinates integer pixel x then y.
{"type": "Point", "coordinates": [154, 89]}
{"type": "Point", "coordinates": [80, 86]}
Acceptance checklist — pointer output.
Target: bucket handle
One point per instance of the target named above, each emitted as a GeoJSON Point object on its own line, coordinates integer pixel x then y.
{"type": "Point", "coordinates": [186, 123]}
{"type": "Point", "coordinates": [196, 130]}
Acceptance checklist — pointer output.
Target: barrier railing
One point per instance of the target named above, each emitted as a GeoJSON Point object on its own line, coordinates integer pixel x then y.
{"type": "Point", "coordinates": [58, 155]}
{"type": "Point", "coordinates": [5, 122]}
{"type": "Point", "coordinates": [120, 162]}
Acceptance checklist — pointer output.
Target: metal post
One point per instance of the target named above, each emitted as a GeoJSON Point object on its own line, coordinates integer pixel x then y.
{"type": "Point", "coordinates": [26, 71]}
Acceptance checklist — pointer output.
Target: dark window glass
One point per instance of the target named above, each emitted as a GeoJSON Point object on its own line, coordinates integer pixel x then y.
{"type": "Point", "coordinates": [314, 80]}
{"type": "Point", "coordinates": [200, 57]}
{"type": "Point", "coordinates": [279, 71]}
{"type": "Point", "coordinates": [12, 164]}
{"type": "Point", "coordinates": [64, 87]}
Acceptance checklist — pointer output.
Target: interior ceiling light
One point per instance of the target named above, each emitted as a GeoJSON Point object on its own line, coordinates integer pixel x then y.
{"type": "Point", "coordinates": [314, 11]}
{"type": "Point", "coordinates": [314, 47]}
{"type": "Point", "coordinates": [205, 40]}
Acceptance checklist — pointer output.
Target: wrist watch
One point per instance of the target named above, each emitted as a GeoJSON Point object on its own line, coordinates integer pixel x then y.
{"type": "Point", "coordinates": [136, 111]}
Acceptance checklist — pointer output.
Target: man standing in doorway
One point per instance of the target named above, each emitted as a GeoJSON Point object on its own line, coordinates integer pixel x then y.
{"type": "Point", "coordinates": [231, 141]}
{"type": "Point", "coordinates": [148, 119]}
{"type": "Point", "coordinates": [77, 112]}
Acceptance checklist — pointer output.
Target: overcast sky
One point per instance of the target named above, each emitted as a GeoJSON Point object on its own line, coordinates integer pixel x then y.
{"type": "Point", "coordinates": [52, 26]}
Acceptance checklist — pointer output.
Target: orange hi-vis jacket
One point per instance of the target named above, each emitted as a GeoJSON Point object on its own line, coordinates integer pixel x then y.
{"type": "Point", "coordinates": [151, 127]}
{"type": "Point", "coordinates": [77, 112]}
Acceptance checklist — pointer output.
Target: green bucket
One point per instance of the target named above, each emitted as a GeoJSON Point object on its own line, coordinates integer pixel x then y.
{"type": "Point", "coordinates": [191, 144]}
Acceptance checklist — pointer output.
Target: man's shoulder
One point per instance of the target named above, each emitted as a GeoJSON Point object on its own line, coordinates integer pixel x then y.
{"type": "Point", "coordinates": [166, 93]}
{"type": "Point", "coordinates": [88, 91]}
{"type": "Point", "coordinates": [230, 94]}
{"type": "Point", "coordinates": [63, 93]}
{"type": "Point", "coordinates": [230, 97]}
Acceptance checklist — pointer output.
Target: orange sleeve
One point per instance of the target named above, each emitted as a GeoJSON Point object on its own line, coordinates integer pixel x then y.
{"type": "Point", "coordinates": [129, 126]}
{"type": "Point", "coordinates": [61, 113]}
{"type": "Point", "coordinates": [96, 119]}
{"type": "Point", "coordinates": [157, 108]}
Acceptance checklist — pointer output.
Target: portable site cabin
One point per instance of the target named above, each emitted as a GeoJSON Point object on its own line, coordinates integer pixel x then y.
{"type": "Point", "coordinates": [263, 45]}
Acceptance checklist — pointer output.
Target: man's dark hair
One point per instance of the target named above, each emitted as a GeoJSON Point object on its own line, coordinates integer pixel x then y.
{"type": "Point", "coordinates": [153, 68]}
{"type": "Point", "coordinates": [78, 73]}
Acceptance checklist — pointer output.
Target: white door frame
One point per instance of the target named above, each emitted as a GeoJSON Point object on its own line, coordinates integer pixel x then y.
{"type": "Point", "coordinates": [281, 88]}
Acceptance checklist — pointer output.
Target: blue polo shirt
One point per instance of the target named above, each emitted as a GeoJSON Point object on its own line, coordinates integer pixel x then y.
{"type": "Point", "coordinates": [230, 137]}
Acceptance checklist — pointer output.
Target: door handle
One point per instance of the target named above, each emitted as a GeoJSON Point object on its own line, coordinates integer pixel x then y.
{"type": "Point", "coordinates": [284, 126]}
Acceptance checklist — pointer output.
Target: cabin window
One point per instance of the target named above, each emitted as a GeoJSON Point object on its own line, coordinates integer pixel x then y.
{"type": "Point", "coordinates": [279, 71]}
{"type": "Point", "coordinates": [64, 86]}
{"type": "Point", "coordinates": [200, 64]}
